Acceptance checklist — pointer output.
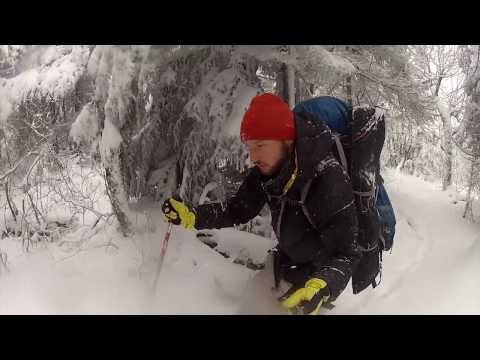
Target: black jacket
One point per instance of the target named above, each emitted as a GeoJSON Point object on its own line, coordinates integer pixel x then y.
{"type": "Point", "coordinates": [329, 249]}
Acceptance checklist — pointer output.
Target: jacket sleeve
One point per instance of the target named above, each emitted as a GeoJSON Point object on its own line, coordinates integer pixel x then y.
{"type": "Point", "coordinates": [332, 209]}
{"type": "Point", "coordinates": [239, 209]}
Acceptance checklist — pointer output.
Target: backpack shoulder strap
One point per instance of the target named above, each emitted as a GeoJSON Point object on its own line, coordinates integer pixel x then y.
{"type": "Point", "coordinates": [341, 152]}
{"type": "Point", "coordinates": [303, 197]}
{"type": "Point", "coordinates": [330, 161]}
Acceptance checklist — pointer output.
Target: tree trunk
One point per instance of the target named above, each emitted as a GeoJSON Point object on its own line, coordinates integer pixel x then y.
{"type": "Point", "coordinates": [13, 209]}
{"type": "Point", "coordinates": [117, 194]}
{"type": "Point", "coordinates": [348, 87]}
{"type": "Point", "coordinates": [291, 85]}
{"type": "Point", "coordinates": [282, 83]}
{"type": "Point", "coordinates": [303, 90]}
{"type": "Point", "coordinates": [447, 177]}
{"type": "Point", "coordinates": [447, 139]}
{"type": "Point", "coordinates": [468, 213]}
{"type": "Point", "coordinates": [286, 84]}
{"type": "Point", "coordinates": [299, 96]}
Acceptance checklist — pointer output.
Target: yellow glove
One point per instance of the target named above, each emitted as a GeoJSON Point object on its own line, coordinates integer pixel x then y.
{"type": "Point", "coordinates": [308, 298]}
{"type": "Point", "coordinates": [178, 213]}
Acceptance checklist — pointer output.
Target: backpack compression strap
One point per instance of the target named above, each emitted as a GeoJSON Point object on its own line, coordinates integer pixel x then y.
{"type": "Point", "coordinates": [343, 159]}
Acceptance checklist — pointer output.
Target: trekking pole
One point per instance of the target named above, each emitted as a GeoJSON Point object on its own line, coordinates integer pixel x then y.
{"type": "Point", "coordinates": [162, 254]}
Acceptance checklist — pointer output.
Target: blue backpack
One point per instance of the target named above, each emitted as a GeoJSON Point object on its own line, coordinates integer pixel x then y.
{"type": "Point", "coordinates": [359, 134]}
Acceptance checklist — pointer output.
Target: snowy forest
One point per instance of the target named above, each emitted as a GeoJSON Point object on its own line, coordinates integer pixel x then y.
{"type": "Point", "coordinates": [94, 138]}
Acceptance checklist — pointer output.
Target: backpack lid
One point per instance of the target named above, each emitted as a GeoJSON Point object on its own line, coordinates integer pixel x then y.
{"type": "Point", "coordinates": [334, 112]}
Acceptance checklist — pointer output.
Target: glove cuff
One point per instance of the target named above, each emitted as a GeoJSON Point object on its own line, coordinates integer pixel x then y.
{"type": "Point", "coordinates": [190, 220]}
{"type": "Point", "coordinates": [316, 283]}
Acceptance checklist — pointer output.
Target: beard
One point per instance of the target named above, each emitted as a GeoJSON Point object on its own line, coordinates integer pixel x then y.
{"type": "Point", "coordinates": [274, 169]}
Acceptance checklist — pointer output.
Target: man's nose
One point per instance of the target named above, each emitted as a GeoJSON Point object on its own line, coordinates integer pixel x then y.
{"type": "Point", "coordinates": [253, 156]}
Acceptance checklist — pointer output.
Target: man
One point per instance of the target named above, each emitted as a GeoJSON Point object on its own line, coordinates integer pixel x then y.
{"type": "Point", "coordinates": [314, 256]}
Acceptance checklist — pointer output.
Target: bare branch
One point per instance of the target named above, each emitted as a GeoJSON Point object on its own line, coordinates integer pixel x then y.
{"type": "Point", "coordinates": [15, 167]}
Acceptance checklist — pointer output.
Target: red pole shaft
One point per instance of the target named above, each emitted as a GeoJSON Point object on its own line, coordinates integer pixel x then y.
{"type": "Point", "coordinates": [162, 254]}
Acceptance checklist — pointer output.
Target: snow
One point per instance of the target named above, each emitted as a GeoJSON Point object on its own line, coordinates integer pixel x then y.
{"type": "Point", "coordinates": [168, 76]}
{"type": "Point", "coordinates": [433, 268]}
{"type": "Point", "coordinates": [209, 187]}
{"type": "Point", "coordinates": [119, 91]}
{"type": "Point", "coordinates": [148, 105]}
{"type": "Point", "coordinates": [85, 127]}
{"type": "Point", "coordinates": [5, 106]}
{"type": "Point", "coordinates": [337, 63]}
{"type": "Point", "coordinates": [56, 76]}
{"type": "Point", "coordinates": [94, 61]}
{"type": "Point", "coordinates": [297, 56]}
{"type": "Point", "coordinates": [52, 71]}
{"type": "Point", "coordinates": [291, 86]}
{"type": "Point", "coordinates": [442, 108]}
{"type": "Point", "coordinates": [240, 105]}
{"type": "Point", "coordinates": [103, 280]}
{"type": "Point", "coordinates": [92, 268]}
{"type": "Point", "coordinates": [111, 139]}
{"type": "Point", "coordinates": [222, 98]}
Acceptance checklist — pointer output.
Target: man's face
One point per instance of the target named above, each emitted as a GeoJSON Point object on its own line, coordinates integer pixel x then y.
{"type": "Point", "coordinates": [268, 155]}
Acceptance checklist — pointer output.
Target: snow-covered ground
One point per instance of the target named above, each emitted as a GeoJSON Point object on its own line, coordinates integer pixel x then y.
{"type": "Point", "coordinates": [434, 267]}
{"type": "Point", "coordinates": [435, 263]}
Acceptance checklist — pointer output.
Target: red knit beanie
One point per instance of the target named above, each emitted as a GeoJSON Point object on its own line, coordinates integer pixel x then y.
{"type": "Point", "coordinates": [268, 118]}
